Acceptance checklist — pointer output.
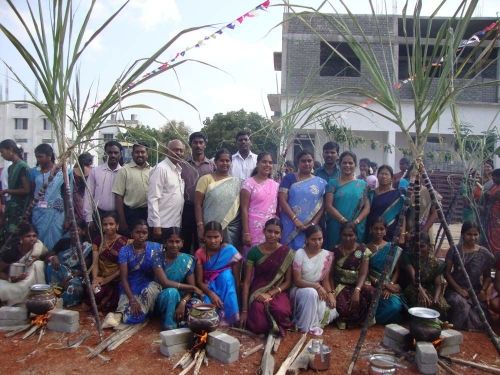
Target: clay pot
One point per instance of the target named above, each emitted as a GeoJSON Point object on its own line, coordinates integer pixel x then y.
{"type": "Point", "coordinates": [41, 299]}
{"type": "Point", "coordinates": [424, 324]}
{"type": "Point", "coordinates": [203, 318]}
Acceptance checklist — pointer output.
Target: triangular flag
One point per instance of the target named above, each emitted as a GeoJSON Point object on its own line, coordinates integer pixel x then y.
{"type": "Point", "coordinates": [266, 3]}
{"type": "Point", "coordinates": [250, 14]}
{"type": "Point", "coordinates": [213, 36]}
{"type": "Point", "coordinates": [230, 26]}
{"type": "Point", "coordinates": [183, 53]}
{"type": "Point", "coordinates": [240, 19]}
{"type": "Point", "coordinates": [219, 31]}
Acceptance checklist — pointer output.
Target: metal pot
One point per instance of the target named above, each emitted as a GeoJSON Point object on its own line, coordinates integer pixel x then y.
{"type": "Point", "coordinates": [16, 269]}
{"type": "Point", "coordinates": [383, 364]}
{"type": "Point", "coordinates": [41, 299]}
{"type": "Point", "coordinates": [321, 355]}
{"type": "Point", "coordinates": [424, 324]}
{"type": "Point", "coordinates": [203, 318]}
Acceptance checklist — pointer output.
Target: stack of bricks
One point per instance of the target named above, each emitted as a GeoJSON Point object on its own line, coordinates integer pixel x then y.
{"type": "Point", "coordinates": [426, 357]}
{"type": "Point", "coordinates": [223, 347]}
{"type": "Point", "coordinates": [175, 341]}
{"type": "Point", "coordinates": [61, 320]}
{"type": "Point", "coordinates": [396, 337]}
{"type": "Point", "coordinates": [13, 316]}
{"type": "Point", "coordinates": [450, 342]}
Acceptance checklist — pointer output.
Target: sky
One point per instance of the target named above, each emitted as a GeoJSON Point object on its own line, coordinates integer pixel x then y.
{"type": "Point", "coordinates": [241, 72]}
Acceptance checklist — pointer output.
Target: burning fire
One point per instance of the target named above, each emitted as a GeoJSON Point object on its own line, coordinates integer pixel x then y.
{"type": "Point", "coordinates": [40, 320]}
{"type": "Point", "coordinates": [200, 341]}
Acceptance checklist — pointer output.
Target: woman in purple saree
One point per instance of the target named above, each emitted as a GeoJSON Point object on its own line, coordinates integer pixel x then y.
{"type": "Point", "coordinates": [265, 304]}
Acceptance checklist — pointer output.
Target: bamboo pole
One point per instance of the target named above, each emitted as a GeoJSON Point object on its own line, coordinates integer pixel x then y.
{"type": "Point", "coordinates": [380, 281]}
{"type": "Point", "coordinates": [70, 210]}
{"type": "Point", "coordinates": [490, 369]}
{"type": "Point", "coordinates": [453, 247]}
{"type": "Point", "coordinates": [291, 357]}
{"type": "Point", "coordinates": [267, 362]}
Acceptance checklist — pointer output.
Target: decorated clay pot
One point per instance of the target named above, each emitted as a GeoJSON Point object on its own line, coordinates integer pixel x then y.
{"type": "Point", "coordinates": [203, 318]}
{"type": "Point", "coordinates": [41, 299]}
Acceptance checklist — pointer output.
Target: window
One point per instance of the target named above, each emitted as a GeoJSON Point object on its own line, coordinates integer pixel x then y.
{"type": "Point", "coordinates": [25, 156]}
{"type": "Point", "coordinates": [21, 105]}
{"type": "Point", "coordinates": [21, 140]}
{"type": "Point", "coordinates": [21, 123]}
{"type": "Point", "coordinates": [108, 136]}
{"type": "Point", "coordinates": [47, 140]}
{"type": "Point", "coordinates": [47, 125]}
{"type": "Point", "coordinates": [332, 64]}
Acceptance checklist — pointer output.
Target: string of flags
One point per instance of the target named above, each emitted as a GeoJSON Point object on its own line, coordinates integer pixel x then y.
{"type": "Point", "coordinates": [231, 26]}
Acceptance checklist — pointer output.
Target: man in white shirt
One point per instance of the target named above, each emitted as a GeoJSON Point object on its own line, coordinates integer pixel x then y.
{"type": "Point", "coordinates": [166, 191]}
{"type": "Point", "coordinates": [244, 161]}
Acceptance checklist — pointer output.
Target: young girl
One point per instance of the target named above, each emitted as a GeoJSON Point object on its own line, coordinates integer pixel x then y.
{"type": "Point", "coordinates": [268, 275]}
{"type": "Point", "coordinates": [218, 272]}
{"type": "Point", "coordinates": [390, 306]}
{"type": "Point", "coordinates": [174, 270]}
{"type": "Point", "coordinates": [105, 269]}
{"type": "Point", "coordinates": [478, 262]}
{"type": "Point", "coordinates": [138, 288]}
{"type": "Point", "coordinates": [313, 296]}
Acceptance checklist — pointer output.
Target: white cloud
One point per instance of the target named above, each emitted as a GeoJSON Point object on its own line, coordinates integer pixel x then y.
{"type": "Point", "coordinates": [152, 13]}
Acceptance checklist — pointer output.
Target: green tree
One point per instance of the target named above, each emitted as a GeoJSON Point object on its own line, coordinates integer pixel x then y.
{"type": "Point", "coordinates": [222, 129]}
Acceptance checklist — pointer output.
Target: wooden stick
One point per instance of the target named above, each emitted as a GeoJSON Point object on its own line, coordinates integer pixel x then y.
{"type": "Point", "coordinates": [302, 361]}
{"type": "Point", "coordinates": [18, 330]}
{"type": "Point", "coordinates": [267, 363]}
{"type": "Point", "coordinates": [490, 369]}
{"type": "Point", "coordinates": [42, 331]}
{"type": "Point", "coordinates": [115, 344]}
{"type": "Point", "coordinates": [245, 332]}
{"type": "Point", "coordinates": [447, 368]}
{"type": "Point", "coordinates": [183, 358]}
{"type": "Point", "coordinates": [251, 351]}
{"type": "Point", "coordinates": [30, 332]}
{"type": "Point", "coordinates": [199, 362]}
{"type": "Point", "coordinates": [277, 342]}
{"type": "Point", "coordinates": [191, 365]}
{"type": "Point", "coordinates": [289, 359]}
{"type": "Point", "coordinates": [104, 344]}
{"type": "Point", "coordinates": [186, 362]}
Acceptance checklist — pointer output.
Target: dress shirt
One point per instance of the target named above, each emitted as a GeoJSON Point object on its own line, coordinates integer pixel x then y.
{"type": "Point", "coordinates": [131, 182]}
{"type": "Point", "coordinates": [165, 195]}
{"type": "Point", "coordinates": [323, 173]}
{"type": "Point", "coordinates": [99, 190]}
{"type": "Point", "coordinates": [191, 171]}
{"type": "Point", "coordinates": [243, 168]}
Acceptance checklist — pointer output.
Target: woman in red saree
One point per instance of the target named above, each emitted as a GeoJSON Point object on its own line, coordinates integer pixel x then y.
{"type": "Point", "coordinates": [265, 303]}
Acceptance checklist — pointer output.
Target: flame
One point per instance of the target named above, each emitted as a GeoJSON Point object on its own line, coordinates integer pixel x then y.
{"type": "Point", "coordinates": [200, 341]}
{"type": "Point", "coordinates": [40, 320]}
{"type": "Point", "coordinates": [437, 342]}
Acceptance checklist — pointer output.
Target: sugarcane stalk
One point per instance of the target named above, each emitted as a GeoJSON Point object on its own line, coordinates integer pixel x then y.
{"type": "Point", "coordinates": [416, 239]}
{"type": "Point", "coordinates": [380, 281]}
{"type": "Point", "coordinates": [494, 338]}
{"type": "Point", "coordinates": [75, 239]}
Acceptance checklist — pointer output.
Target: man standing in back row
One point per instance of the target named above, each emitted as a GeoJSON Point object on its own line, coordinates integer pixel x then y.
{"type": "Point", "coordinates": [329, 169]}
{"type": "Point", "coordinates": [244, 161]}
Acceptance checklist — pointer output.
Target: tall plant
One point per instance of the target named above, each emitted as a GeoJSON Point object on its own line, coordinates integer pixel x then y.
{"type": "Point", "coordinates": [55, 30]}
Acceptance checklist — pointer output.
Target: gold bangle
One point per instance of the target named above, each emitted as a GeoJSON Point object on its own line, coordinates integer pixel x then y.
{"type": "Point", "coordinates": [358, 289]}
{"type": "Point", "coordinates": [279, 289]}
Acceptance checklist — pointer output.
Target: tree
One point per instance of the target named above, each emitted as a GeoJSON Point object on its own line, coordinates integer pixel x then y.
{"type": "Point", "coordinates": [221, 131]}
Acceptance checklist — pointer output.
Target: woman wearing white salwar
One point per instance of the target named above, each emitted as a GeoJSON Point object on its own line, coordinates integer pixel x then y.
{"type": "Point", "coordinates": [28, 252]}
{"type": "Point", "coordinates": [312, 296]}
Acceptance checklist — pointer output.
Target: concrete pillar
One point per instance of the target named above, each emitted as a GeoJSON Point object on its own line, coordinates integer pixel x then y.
{"type": "Point", "coordinates": [390, 155]}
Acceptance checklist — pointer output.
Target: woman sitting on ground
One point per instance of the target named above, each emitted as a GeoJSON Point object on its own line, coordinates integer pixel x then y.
{"type": "Point", "coordinates": [478, 262]}
{"type": "Point", "coordinates": [29, 251]}
{"type": "Point", "coordinates": [105, 268]}
{"type": "Point", "coordinates": [350, 272]}
{"type": "Point", "coordinates": [313, 296]}
{"type": "Point", "coordinates": [267, 277]}
{"type": "Point", "coordinates": [430, 293]}
{"type": "Point", "coordinates": [218, 267]}
{"type": "Point", "coordinates": [174, 270]}
{"type": "Point", "coordinates": [138, 289]}
{"type": "Point", "coordinates": [64, 270]}
{"type": "Point", "coordinates": [390, 306]}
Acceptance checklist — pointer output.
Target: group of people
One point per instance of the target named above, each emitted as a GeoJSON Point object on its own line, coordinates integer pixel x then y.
{"type": "Point", "coordinates": [303, 251]}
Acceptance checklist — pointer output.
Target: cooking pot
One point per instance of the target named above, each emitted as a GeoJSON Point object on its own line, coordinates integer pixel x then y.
{"type": "Point", "coordinates": [424, 324]}
{"type": "Point", "coordinates": [321, 355]}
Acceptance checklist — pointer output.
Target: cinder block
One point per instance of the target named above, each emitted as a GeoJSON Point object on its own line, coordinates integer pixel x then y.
{"type": "Point", "coordinates": [427, 369]}
{"type": "Point", "coordinates": [450, 337]}
{"type": "Point", "coordinates": [426, 353]}
{"type": "Point", "coordinates": [168, 351]}
{"type": "Point", "coordinates": [221, 356]}
{"type": "Point", "coordinates": [12, 322]}
{"type": "Point", "coordinates": [223, 342]}
{"type": "Point", "coordinates": [63, 327]}
{"type": "Point", "coordinates": [13, 313]}
{"type": "Point", "coordinates": [176, 336]}
{"type": "Point", "coordinates": [64, 316]}
{"type": "Point", "coordinates": [449, 350]}
{"type": "Point", "coordinates": [395, 345]}
{"type": "Point", "coordinates": [397, 333]}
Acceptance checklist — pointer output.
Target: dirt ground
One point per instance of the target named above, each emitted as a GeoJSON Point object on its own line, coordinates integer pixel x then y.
{"type": "Point", "coordinates": [141, 353]}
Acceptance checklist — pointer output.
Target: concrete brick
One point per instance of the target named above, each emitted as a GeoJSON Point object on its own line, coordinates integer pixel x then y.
{"type": "Point", "coordinates": [426, 353]}
{"type": "Point", "coordinates": [64, 316]}
{"type": "Point", "coordinates": [223, 342]}
{"type": "Point", "coordinates": [395, 345]}
{"type": "Point", "coordinates": [397, 333]}
{"type": "Point", "coordinates": [450, 337]}
{"type": "Point", "coordinates": [221, 356]}
{"type": "Point", "coordinates": [168, 351]}
{"type": "Point", "coordinates": [176, 336]}
{"type": "Point", "coordinates": [63, 327]}
{"type": "Point", "coordinates": [13, 313]}
{"type": "Point", "coordinates": [449, 350]}
{"type": "Point", "coordinates": [427, 369]}
{"type": "Point", "coordinates": [12, 322]}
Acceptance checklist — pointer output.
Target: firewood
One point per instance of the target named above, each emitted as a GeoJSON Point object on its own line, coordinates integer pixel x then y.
{"type": "Point", "coordinates": [17, 330]}
{"type": "Point", "coordinates": [490, 369]}
{"type": "Point", "coordinates": [267, 363]}
{"type": "Point", "coordinates": [191, 365]}
{"type": "Point", "coordinates": [183, 358]}
{"type": "Point", "coordinates": [199, 362]}
{"type": "Point", "coordinates": [302, 360]}
{"type": "Point", "coordinates": [277, 342]}
{"type": "Point", "coordinates": [292, 355]}
{"type": "Point", "coordinates": [251, 351]}
{"type": "Point", "coordinates": [128, 334]}
{"type": "Point", "coordinates": [108, 341]}
{"type": "Point", "coordinates": [30, 332]}
{"type": "Point", "coordinates": [447, 368]}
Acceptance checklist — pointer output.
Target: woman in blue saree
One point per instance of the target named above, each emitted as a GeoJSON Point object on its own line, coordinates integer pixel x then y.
{"type": "Point", "coordinates": [390, 306]}
{"type": "Point", "coordinates": [218, 273]}
{"type": "Point", "coordinates": [385, 202]}
{"type": "Point", "coordinates": [48, 214]}
{"type": "Point", "coordinates": [301, 201]}
{"type": "Point", "coordinates": [346, 201]}
{"type": "Point", "coordinates": [138, 290]}
{"type": "Point", "coordinates": [217, 198]}
{"type": "Point", "coordinates": [174, 271]}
